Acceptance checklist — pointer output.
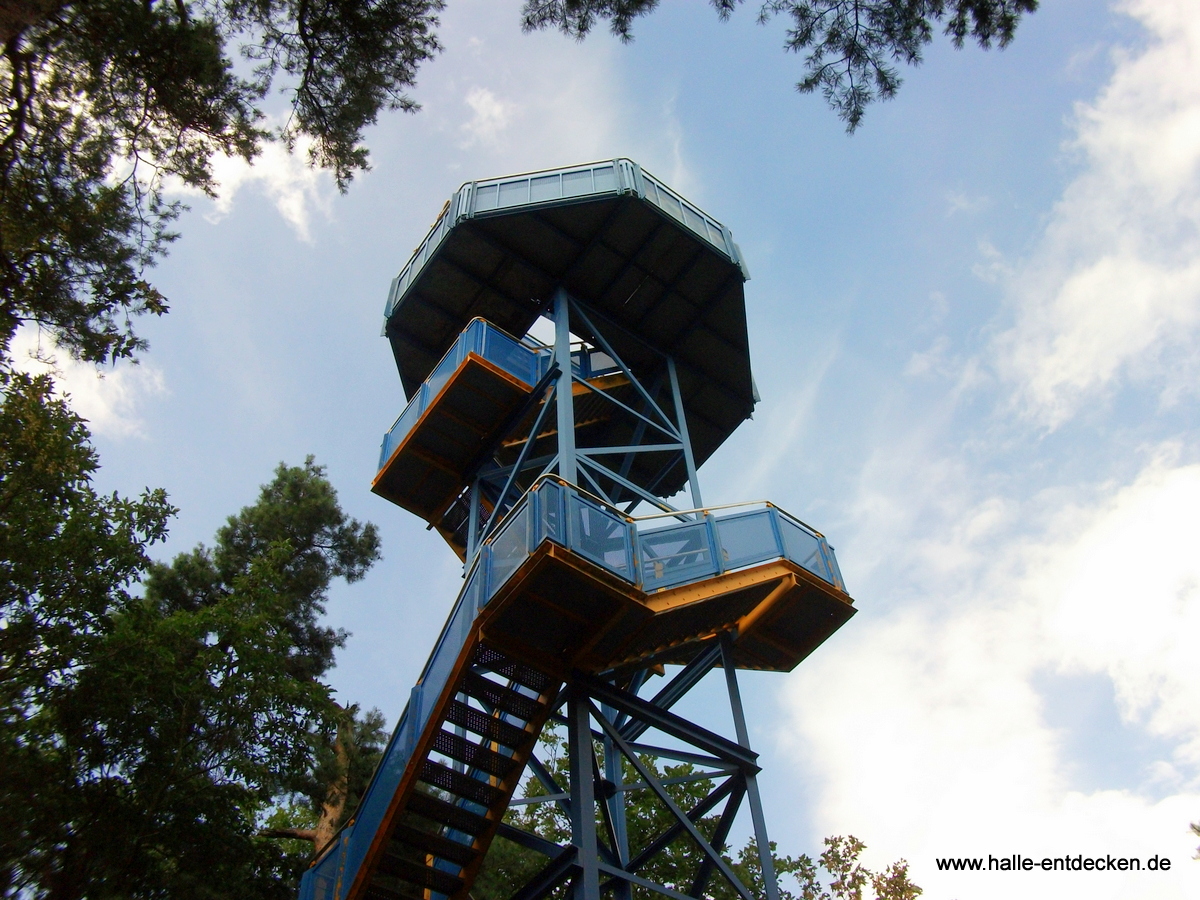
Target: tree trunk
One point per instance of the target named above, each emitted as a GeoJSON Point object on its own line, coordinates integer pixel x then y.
{"type": "Point", "coordinates": [17, 15]}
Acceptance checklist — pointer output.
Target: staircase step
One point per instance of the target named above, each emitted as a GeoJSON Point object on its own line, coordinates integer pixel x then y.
{"type": "Point", "coordinates": [438, 810]}
{"type": "Point", "coordinates": [499, 696]}
{"type": "Point", "coordinates": [427, 842]}
{"type": "Point", "coordinates": [377, 891]}
{"type": "Point", "coordinates": [491, 727]}
{"type": "Point", "coordinates": [497, 662]}
{"type": "Point", "coordinates": [447, 779]}
{"type": "Point", "coordinates": [474, 755]}
{"type": "Point", "coordinates": [422, 876]}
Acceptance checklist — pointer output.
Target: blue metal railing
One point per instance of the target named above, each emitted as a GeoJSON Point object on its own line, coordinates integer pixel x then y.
{"type": "Point", "coordinates": [522, 359]}
{"type": "Point", "coordinates": [556, 186]}
{"type": "Point", "coordinates": [652, 558]}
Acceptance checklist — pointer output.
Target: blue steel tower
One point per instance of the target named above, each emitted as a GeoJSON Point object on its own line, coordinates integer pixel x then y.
{"type": "Point", "coordinates": [554, 469]}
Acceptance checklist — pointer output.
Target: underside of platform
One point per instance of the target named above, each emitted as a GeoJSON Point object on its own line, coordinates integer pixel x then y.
{"type": "Point", "coordinates": [560, 613]}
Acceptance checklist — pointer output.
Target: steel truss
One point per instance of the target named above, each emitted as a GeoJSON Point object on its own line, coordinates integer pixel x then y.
{"type": "Point", "coordinates": [601, 470]}
{"type": "Point", "coordinates": [605, 721]}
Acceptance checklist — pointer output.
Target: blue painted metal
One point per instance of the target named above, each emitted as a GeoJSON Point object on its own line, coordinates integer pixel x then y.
{"type": "Point", "coordinates": [554, 186]}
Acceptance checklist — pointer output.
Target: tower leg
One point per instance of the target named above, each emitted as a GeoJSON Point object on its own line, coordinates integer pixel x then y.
{"type": "Point", "coordinates": [598, 714]}
{"type": "Point", "coordinates": [765, 858]}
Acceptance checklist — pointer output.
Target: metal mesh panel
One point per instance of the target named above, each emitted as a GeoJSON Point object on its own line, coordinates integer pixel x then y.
{"type": "Point", "coordinates": [803, 548]}
{"type": "Point", "coordinates": [510, 548]}
{"type": "Point", "coordinates": [747, 539]}
{"type": "Point", "coordinates": [600, 536]}
{"type": "Point", "coordinates": [674, 555]}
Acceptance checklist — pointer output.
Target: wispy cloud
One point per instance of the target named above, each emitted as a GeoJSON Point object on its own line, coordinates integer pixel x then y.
{"type": "Point", "coordinates": [1116, 279]}
{"type": "Point", "coordinates": [490, 116]}
{"type": "Point", "coordinates": [298, 191]}
{"type": "Point", "coordinates": [107, 398]}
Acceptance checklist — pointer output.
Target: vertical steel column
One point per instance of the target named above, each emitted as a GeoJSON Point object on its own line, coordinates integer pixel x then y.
{"type": "Point", "coordinates": [583, 796]}
{"type": "Point", "coordinates": [681, 423]}
{"type": "Point", "coordinates": [472, 522]}
{"type": "Point", "coordinates": [743, 736]}
{"type": "Point", "coordinates": [616, 804]}
{"type": "Point", "coordinates": [564, 394]}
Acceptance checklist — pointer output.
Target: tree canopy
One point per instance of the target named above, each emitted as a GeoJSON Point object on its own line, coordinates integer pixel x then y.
{"type": "Point", "coordinates": [102, 102]}
{"type": "Point", "coordinates": [850, 47]}
{"type": "Point", "coordinates": [152, 714]}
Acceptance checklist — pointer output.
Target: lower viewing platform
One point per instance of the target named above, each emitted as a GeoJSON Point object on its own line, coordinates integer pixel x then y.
{"type": "Point", "coordinates": [566, 582]}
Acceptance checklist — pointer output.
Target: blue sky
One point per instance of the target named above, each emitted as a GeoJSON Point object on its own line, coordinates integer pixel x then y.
{"type": "Point", "coordinates": [973, 325]}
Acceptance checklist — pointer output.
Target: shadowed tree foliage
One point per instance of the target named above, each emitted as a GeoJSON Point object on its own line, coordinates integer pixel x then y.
{"type": "Point", "coordinates": [850, 47]}
{"type": "Point", "coordinates": [509, 866]}
{"type": "Point", "coordinates": [101, 100]}
{"type": "Point", "coordinates": [144, 734]}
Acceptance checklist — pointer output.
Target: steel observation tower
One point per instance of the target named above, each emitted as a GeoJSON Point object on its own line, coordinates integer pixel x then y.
{"type": "Point", "coordinates": [554, 469]}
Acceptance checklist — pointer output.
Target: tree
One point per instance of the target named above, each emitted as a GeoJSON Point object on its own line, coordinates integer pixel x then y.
{"type": "Point", "coordinates": [849, 45]}
{"type": "Point", "coordinates": [152, 714]}
{"type": "Point", "coordinates": [508, 866]}
{"type": "Point", "coordinates": [102, 100]}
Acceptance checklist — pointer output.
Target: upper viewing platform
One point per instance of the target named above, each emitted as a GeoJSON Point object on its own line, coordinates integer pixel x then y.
{"type": "Point", "coordinates": [668, 275]}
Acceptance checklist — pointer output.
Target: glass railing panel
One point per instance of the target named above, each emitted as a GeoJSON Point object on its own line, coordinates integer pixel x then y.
{"type": "Point", "coordinates": [671, 205]}
{"type": "Point", "coordinates": [604, 178]}
{"type": "Point", "coordinates": [803, 548]}
{"type": "Point", "coordinates": [487, 197]}
{"type": "Point", "coordinates": [509, 549]}
{"type": "Point", "coordinates": [514, 193]}
{"type": "Point", "coordinates": [675, 555]}
{"type": "Point", "coordinates": [601, 536]}
{"type": "Point", "coordinates": [695, 221]}
{"type": "Point", "coordinates": [747, 538]}
{"type": "Point", "coordinates": [600, 363]}
{"type": "Point", "coordinates": [545, 187]}
{"type": "Point", "coordinates": [576, 183]}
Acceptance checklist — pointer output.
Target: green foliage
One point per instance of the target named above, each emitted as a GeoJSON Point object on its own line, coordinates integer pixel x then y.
{"type": "Point", "coordinates": [849, 46]}
{"type": "Point", "coordinates": [508, 866]}
{"type": "Point", "coordinates": [143, 737]}
{"type": "Point", "coordinates": [100, 101]}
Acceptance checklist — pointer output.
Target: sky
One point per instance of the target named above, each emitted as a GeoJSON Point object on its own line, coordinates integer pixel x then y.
{"type": "Point", "coordinates": [973, 326]}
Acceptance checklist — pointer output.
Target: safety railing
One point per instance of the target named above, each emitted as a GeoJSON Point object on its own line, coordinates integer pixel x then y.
{"type": "Point", "coordinates": [708, 543]}
{"type": "Point", "coordinates": [523, 359]}
{"type": "Point", "coordinates": [557, 186]}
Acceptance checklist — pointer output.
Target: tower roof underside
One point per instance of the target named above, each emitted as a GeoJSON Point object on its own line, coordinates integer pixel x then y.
{"type": "Point", "coordinates": [633, 252]}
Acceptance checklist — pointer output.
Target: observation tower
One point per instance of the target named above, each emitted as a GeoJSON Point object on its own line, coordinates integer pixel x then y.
{"type": "Point", "coordinates": [597, 591]}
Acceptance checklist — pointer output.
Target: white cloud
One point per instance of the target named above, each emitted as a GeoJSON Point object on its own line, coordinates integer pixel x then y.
{"type": "Point", "coordinates": [1116, 279]}
{"type": "Point", "coordinates": [490, 116]}
{"type": "Point", "coordinates": [298, 190]}
{"type": "Point", "coordinates": [107, 398]}
{"type": "Point", "coordinates": [927, 727]}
